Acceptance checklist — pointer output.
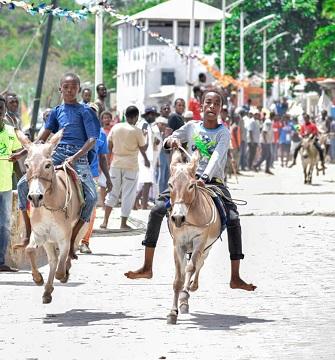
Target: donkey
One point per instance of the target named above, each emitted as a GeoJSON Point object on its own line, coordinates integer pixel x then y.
{"type": "Point", "coordinates": [56, 206]}
{"type": "Point", "coordinates": [309, 158]}
{"type": "Point", "coordinates": [194, 224]}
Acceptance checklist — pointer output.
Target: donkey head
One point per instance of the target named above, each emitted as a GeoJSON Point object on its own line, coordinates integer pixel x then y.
{"type": "Point", "coordinates": [307, 144]}
{"type": "Point", "coordinates": [182, 185]}
{"type": "Point", "coordinates": [40, 170]}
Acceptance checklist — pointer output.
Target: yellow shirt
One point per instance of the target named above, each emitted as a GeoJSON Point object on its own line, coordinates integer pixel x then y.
{"type": "Point", "coordinates": [8, 144]}
{"type": "Point", "coordinates": [126, 140]}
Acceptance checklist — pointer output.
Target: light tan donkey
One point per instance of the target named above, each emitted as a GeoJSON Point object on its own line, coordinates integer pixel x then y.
{"type": "Point", "coordinates": [55, 209]}
{"type": "Point", "coordinates": [194, 224]}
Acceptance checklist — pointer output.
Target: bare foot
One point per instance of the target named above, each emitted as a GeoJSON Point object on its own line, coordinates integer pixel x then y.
{"type": "Point", "coordinates": [139, 274]}
{"type": "Point", "coordinates": [22, 245]}
{"type": "Point", "coordinates": [125, 227]}
{"type": "Point", "coordinates": [240, 284]}
{"type": "Point", "coordinates": [103, 226]}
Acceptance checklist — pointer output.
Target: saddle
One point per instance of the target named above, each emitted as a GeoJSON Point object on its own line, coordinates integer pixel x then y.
{"type": "Point", "coordinates": [217, 195]}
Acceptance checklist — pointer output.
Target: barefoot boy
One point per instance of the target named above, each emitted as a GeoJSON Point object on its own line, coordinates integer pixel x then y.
{"type": "Point", "coordinates": [215, 137]}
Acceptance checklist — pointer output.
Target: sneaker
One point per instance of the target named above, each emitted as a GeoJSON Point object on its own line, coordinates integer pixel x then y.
{"type": "Point", "coordinates": [6, 268]}
{"type": "Point", "coordinates": [85, 249]}
{"type": "Point", "coordinates": [269, 172]}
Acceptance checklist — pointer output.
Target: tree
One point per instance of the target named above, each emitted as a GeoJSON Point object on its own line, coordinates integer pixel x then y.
{"type": "Point", "coordinates": [283, 56]}
{"type": "Point", "coordinates": [319, 54]}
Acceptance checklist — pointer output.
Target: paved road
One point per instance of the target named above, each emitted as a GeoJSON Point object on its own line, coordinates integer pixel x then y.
{"type": "Point", "coordinates": [100, 314]}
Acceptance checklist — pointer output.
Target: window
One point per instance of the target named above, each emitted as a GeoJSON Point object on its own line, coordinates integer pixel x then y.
{"type": "Point", "coordinates": [184, 33]}
{"type": "Point", "coordinates": [164, 28]}
{"type": "Point", "coordinates": [168, 77]}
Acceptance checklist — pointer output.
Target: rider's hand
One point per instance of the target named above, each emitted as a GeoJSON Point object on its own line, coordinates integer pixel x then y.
{"type": "Point", "coordinates": [70, 160]}
{"type": "Point", "coordinates": [175, 143]}
{"type": "Point", "coordinates": [201, 183]}
{"type": "Point", "coordinates": [147, 163]}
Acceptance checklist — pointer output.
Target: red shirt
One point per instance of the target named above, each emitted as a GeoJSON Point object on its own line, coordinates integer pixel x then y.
{"type": "Point", "coordinates": [309, 128]}
{"type": "Point", "coordinates": [276, 126]}
{"type": "Point", "coordinates": [195, 107]}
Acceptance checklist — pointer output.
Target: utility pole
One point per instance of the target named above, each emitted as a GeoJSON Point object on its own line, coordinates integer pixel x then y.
{"type": "Point", "coordinates": [98, 48]}
{"type": "Point", "coordinates": [264, 68]}
{"type": "Point", "coordinates": [241, 97]}
{"type": "Point", "coordinates": [190, 61]}
{"type": "Point", "coordinates": [39, 87]}
{"type": "Point", "coordinates": [223, 38]}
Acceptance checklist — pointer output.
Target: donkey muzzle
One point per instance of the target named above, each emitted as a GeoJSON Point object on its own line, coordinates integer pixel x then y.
{"type": "Point", "coordinates": [35, 199]}
{"type": "Point", "coordinates": [178, 215]}
{"type": "Point", "coordinates": [178, 220]}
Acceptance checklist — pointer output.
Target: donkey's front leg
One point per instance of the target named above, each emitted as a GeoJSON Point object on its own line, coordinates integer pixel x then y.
{"type": "Point", "coordinates": [52, 258]}
{"type": "Point", "coordinates": [189, 271]}
{"type": "Point", "coordinates": [177, 284]}
{"type": "Point", "coordinates": [64, 247]}
{"type": "Point", "coordinates": [31, 252]}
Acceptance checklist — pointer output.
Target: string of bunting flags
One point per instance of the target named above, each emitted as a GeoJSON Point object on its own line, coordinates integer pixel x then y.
{"type": "Point", "coordinates": [104, 7]}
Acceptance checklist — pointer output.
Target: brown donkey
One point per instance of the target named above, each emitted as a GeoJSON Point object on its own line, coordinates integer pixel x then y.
{"type": "Point", "coordinates": [194, 224]}
{"type": "Point", "coordinates": [56, 206]}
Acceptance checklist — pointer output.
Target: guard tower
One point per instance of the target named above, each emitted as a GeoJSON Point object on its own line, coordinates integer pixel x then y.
{"type": "Point", "coordinates": [150, 72]}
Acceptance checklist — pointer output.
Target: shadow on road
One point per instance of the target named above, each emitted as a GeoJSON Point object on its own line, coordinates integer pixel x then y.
{"type": "Point", "coordinates": [212, 321]}
{"type": "Point", "coordinates": [104, 254]}
{"type": "Point", "coordinates": [28, 283]}
{"type": "Point", "coordinates": [82, 317]}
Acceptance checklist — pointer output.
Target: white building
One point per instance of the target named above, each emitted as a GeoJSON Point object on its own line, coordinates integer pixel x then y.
{"type": "Point", "coordinates": [149, 72]}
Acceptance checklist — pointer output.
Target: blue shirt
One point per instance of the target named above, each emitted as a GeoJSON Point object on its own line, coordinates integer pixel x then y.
{"type": "Point", "coordinates": [101, 147]}
{"type": "Point", "coordinates": [285, 135]}
{"type": "Point", "coordinates": [79, 121]}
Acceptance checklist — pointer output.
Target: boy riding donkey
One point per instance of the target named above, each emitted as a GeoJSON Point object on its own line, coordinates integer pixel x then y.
{"type": "Point", "coordinates": [81, 130]}
{"type": "Point", "coordinates": [212, 141]}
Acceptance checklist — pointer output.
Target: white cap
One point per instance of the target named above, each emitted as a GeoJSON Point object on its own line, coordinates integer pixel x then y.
{"type": "Point", "coordinates": [162, 120]}
{"type": "Point", "coordinates": [188, 114]}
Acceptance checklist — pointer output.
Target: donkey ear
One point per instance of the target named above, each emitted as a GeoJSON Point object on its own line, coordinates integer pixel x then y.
{"type": "Point", "coordinates": [24, 140]}
{"type": "Point", "coordinates": [176, 159]}
{"type": "Point", "coordinates": [55, 139]}
{"type": "Point", "coordinates": [193, 164]}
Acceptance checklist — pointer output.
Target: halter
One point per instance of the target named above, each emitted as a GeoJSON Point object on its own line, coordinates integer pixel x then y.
{"type": "Point", "coordinates": [68, 189]}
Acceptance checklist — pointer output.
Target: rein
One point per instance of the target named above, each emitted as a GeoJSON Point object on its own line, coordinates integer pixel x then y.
{"type": "Point", "coordinates": [68, 190]}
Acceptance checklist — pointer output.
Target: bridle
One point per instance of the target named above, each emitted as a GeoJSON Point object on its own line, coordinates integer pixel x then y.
{"type": "Point", "coordinates": [68, 189]}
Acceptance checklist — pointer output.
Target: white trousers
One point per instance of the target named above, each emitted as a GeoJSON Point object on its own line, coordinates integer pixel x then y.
{"type": "Point", "coordinates": [125, 183]}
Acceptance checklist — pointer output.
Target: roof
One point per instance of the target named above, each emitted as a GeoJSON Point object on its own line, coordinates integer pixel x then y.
{"type": "Point", "coordinates": [179, 10]}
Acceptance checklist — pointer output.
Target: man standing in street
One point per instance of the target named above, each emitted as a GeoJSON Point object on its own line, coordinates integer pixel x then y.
{"type": "Point", "coordinates": [266, 141]}
{"type": "Point", "coordinates": [146, 175]}
{"type": "Point", "coordinates": [8, 144]}
{"type": "Point", "coordinates": [101, 91]}
{"type": "Point", "coordinates": [125, 141]}
{"type": "Point", "coordinates": [253, 134]}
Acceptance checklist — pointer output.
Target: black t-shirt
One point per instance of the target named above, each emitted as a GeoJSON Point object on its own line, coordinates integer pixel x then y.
{"type": "Point", "coordinates": [175, 121]}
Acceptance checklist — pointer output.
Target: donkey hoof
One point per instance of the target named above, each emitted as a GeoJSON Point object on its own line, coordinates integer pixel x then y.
{"type": "Point", "coordinates": [47, 298]}
{"type": "Point", "coordinates": [65, 278]}
{"type": "Point", "coordinates": [39, 281]}
{"type": "Point", "coordinates": [60, 275]}
{"type": "Point", "coordinates": [171, 319]}
{"type": "Point", "coordinates": [184, 308]}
